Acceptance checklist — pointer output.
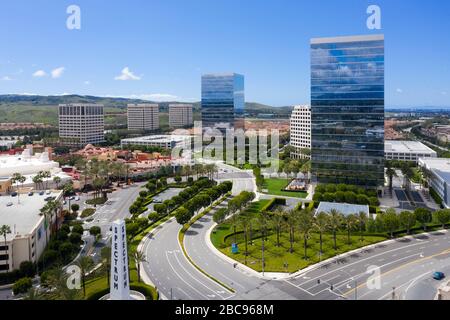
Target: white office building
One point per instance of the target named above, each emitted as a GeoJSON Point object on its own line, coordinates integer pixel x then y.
{"type": "Point", "coordinates": [143, 117]}
{"type": "Point", "coordinates": [81, 124]}
{"type": "Point", "coordinates": [407, 150]}
{"type": "Point", "coordinates": [300, 128]}
{"type": "Point", "coordinates": [29, 232]}
{"type": "Point", "coordinates": [161, 141]}
{"type": "Point", "coordinates": [180, 115]}
{"type": "Point", "coordinates": [439, 169]}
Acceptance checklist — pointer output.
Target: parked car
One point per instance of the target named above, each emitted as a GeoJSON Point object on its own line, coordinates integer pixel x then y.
{"type": "Point", "coordinates": [77, 198]}
{"type": "Point", "coordinates": [157, 200]}
{"type": "Point", "coordinates": [48, 192]}
{"type": "Point", "coordinates": [438, 275]}
{"type": "Point", "coordinates": [14, 194]}
{"type": "Point", "coordinates": [41, 193]}
{"type": "Point", "coordinates": [30, 193]}
{"type": "Point", "coordinates": [9, 204]}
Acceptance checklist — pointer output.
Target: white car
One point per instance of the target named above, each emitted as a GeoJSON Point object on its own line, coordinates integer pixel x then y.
{"type": "Point", "coordinates": [77, 199]}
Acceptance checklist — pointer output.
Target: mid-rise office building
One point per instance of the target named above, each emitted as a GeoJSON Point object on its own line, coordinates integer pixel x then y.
{"type": "Point", "coordinates": [180, 115]}
{"type": "Point", "coordinates": [143, 117]}
{"type": "Point", "coordinates": [300, 131]}
{"type": "Point", "coordinates": [347, 105]}
{"type": "Point", "coordinates": [81, 124]}
{"type": "Point", "coordinates": [160, 141]}
{"type": "Point", "coordinates": [223, 101]}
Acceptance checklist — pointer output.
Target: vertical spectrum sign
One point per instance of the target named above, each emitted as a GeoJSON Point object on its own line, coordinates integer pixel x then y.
{"type": "Point", "coordinates": [120, 286]}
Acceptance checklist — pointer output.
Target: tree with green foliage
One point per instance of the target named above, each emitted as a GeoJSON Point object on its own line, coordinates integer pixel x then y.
{"type": "Point", "coordinates": [335, 223]}
{"type": "Point", "coordinates": [305, 223]}
{"type": "Point", "coordinates": [183, 216]}
{"type": "Point", "coordinates": [105, 254]}
{"type": "Point", "coordinates": [278, 220]}
{"type": "Point", "coordinates": [391, 221]}
{"type": "Point", "coordinates": [407, 220]}
{"type": "Point", "coordinates": [245, 222]}
{"type": "Point", "coordinates": [350, 222]}
{"type": "Point", "coordinates": [139, 257]}
{"type": "Point", "coordinates": [84, 263]}
{"type": "Point", "coordinates": [423, 216]}
{"type": "Point", "coordinates": [321, 224]}
{"type": "Point", "coordinates": [443, 217]}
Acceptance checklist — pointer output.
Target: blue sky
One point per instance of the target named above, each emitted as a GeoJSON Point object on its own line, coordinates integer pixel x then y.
{"type": "Point", "coordinates": [167, 44]}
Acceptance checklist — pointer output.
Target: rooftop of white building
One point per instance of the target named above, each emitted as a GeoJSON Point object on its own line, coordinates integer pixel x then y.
{"type": "Point", "coordinates": [440, 166]}
{"type": "Point", "coordinates": [159, 138]}
{"type": "Point", "coordinates": [24, 217]}
{"type": "Point", "coordinates": [406, 147]}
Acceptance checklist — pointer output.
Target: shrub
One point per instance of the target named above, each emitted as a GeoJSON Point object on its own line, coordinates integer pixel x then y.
{"type": "Point", "coordinates": [75, 238]}
{"type": "Point", "coordinates": [75, 207]}
{"type": "Point", "coordinates": [78, 229]}
{"type": "Point", "coordinates": [132, 228]}
{"type": "Point", "coordinates": [96, 201]}
{"type": "Point", "coordinates": [328, 197]}
{"type": "Point", "coordinates": [317, 196]}
{"type": "Point", "coordinates": [95, 231]}
{"type": "Point", "coordinates": [331, 188]}
{"type": "Point", "coordinates": [22, 285]}
{"type": "Point", "coordinates": [153, 216]}
{"type": "Point", "coordinates": [27, 269]}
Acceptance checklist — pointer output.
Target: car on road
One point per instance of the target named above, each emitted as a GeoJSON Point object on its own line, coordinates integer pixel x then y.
{"type": "Point", "coordinates": [438, 275]}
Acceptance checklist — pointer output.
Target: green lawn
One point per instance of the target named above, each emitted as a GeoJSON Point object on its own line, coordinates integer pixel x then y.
{"type": "Point", "coordinates": [275, 187]}
{"type": "Point", "coordinates": [276, 257]}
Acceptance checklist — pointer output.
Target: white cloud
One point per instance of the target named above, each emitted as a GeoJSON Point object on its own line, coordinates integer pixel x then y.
{"type": "Point", "coordinates": [57, 73]}
{"type": "Point", "coordinates": [399, 90]}
{"type": "Point", "coordinates": [127, 75]}
{"type": "Point", "coordinates": [39, 74]}
{"type": "Point", "coordinates": [87, 83]}
{"type": "Point", "coordinates": [6, 78]}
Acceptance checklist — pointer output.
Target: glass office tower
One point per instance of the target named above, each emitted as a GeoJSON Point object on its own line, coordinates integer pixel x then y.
{"type": "Point", "coordinates": [347, 105]}
{"type": "Point", "coordinates": [223, 101]}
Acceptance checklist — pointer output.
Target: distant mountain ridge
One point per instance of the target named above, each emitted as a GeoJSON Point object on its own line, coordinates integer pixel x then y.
{"type": "Point", "coordinates": [38, 100]}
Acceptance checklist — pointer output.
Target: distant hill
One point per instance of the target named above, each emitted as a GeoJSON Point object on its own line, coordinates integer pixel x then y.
{"type": "Point", "coordinates": [35, 108]}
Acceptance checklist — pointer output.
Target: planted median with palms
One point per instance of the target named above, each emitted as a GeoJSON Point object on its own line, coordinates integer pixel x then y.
{"type": "Point", "coordinates": [282, 240]}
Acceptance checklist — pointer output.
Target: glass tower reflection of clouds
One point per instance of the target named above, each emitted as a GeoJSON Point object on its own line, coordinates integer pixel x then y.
{"type": "Point", "coordinates": [347, 105]}
{"type": "Point", "coordinates": [223, 100]}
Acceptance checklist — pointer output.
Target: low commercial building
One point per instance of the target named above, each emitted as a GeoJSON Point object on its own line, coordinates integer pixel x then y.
{"type": "Point", "coordinates": [161, 141]}
{"type": "Point", "coordinates": [407, 150]}
{"type": "Point", "coordinates": [29, 230]}
{"type": "Point", "coordinates": [344, 208]}
{"type": "Point", "coordinates": [439, 180]}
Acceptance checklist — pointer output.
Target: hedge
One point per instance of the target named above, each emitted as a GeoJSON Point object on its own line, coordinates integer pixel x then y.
{"type": "Point", "coordinates": [436, 197]}
{"type": "Point", "coordinates": [274, 201]}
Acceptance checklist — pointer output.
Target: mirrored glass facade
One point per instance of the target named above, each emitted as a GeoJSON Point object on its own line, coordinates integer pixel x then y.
{"type": "Point", "coordinates": [347, 106]}
{"type": "Point", "coordinates": [223, 100]}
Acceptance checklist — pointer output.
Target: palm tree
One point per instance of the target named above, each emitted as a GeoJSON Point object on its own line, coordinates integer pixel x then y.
{"type": "Point", "coordinates": [16, 179]}
{"type": "Point", "coordinates": [350, 222]}
{"type": "Point", "coordinates": [321, 224]}
{"type": "Point", "coordinates": [106, 258]}
{"type": "Point", "coordinates": [305, 224]}
{"type": "Point", "coordinates": [46, 175]}
{"type": "Point", "coordinates": [263, 223]}
{"type": "Point", "coordinates": [37, 180]}
{"type": "Point", "coordinates": [232, 209]}
{"type": "Point", "coordinates": [139, 257]}
{"type": "Point", "coordinates": [335, 224]}
{"type": "Point", "coordinates": [291, 223]}
{"type": "Point", "coordinates": [85, 263]}
{"type": "Point", "coordinates": [57, 280]}
{"type": "Point", "coordinates": [390, 172]}
{"type": "Point", "coordinates": [4, 231]}
{"type": "Point", "coordinates": [361, 219]}
{"type": "Point", "coordinates": [244, 222]}
{"type": "Point", "coordinates": [57, 181]}
{"type": "Point", "coordinates": [278, 220]}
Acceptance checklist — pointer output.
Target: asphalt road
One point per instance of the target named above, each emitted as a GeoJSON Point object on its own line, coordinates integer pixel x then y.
{"type": "Point", "coordinates": [406, 264]}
